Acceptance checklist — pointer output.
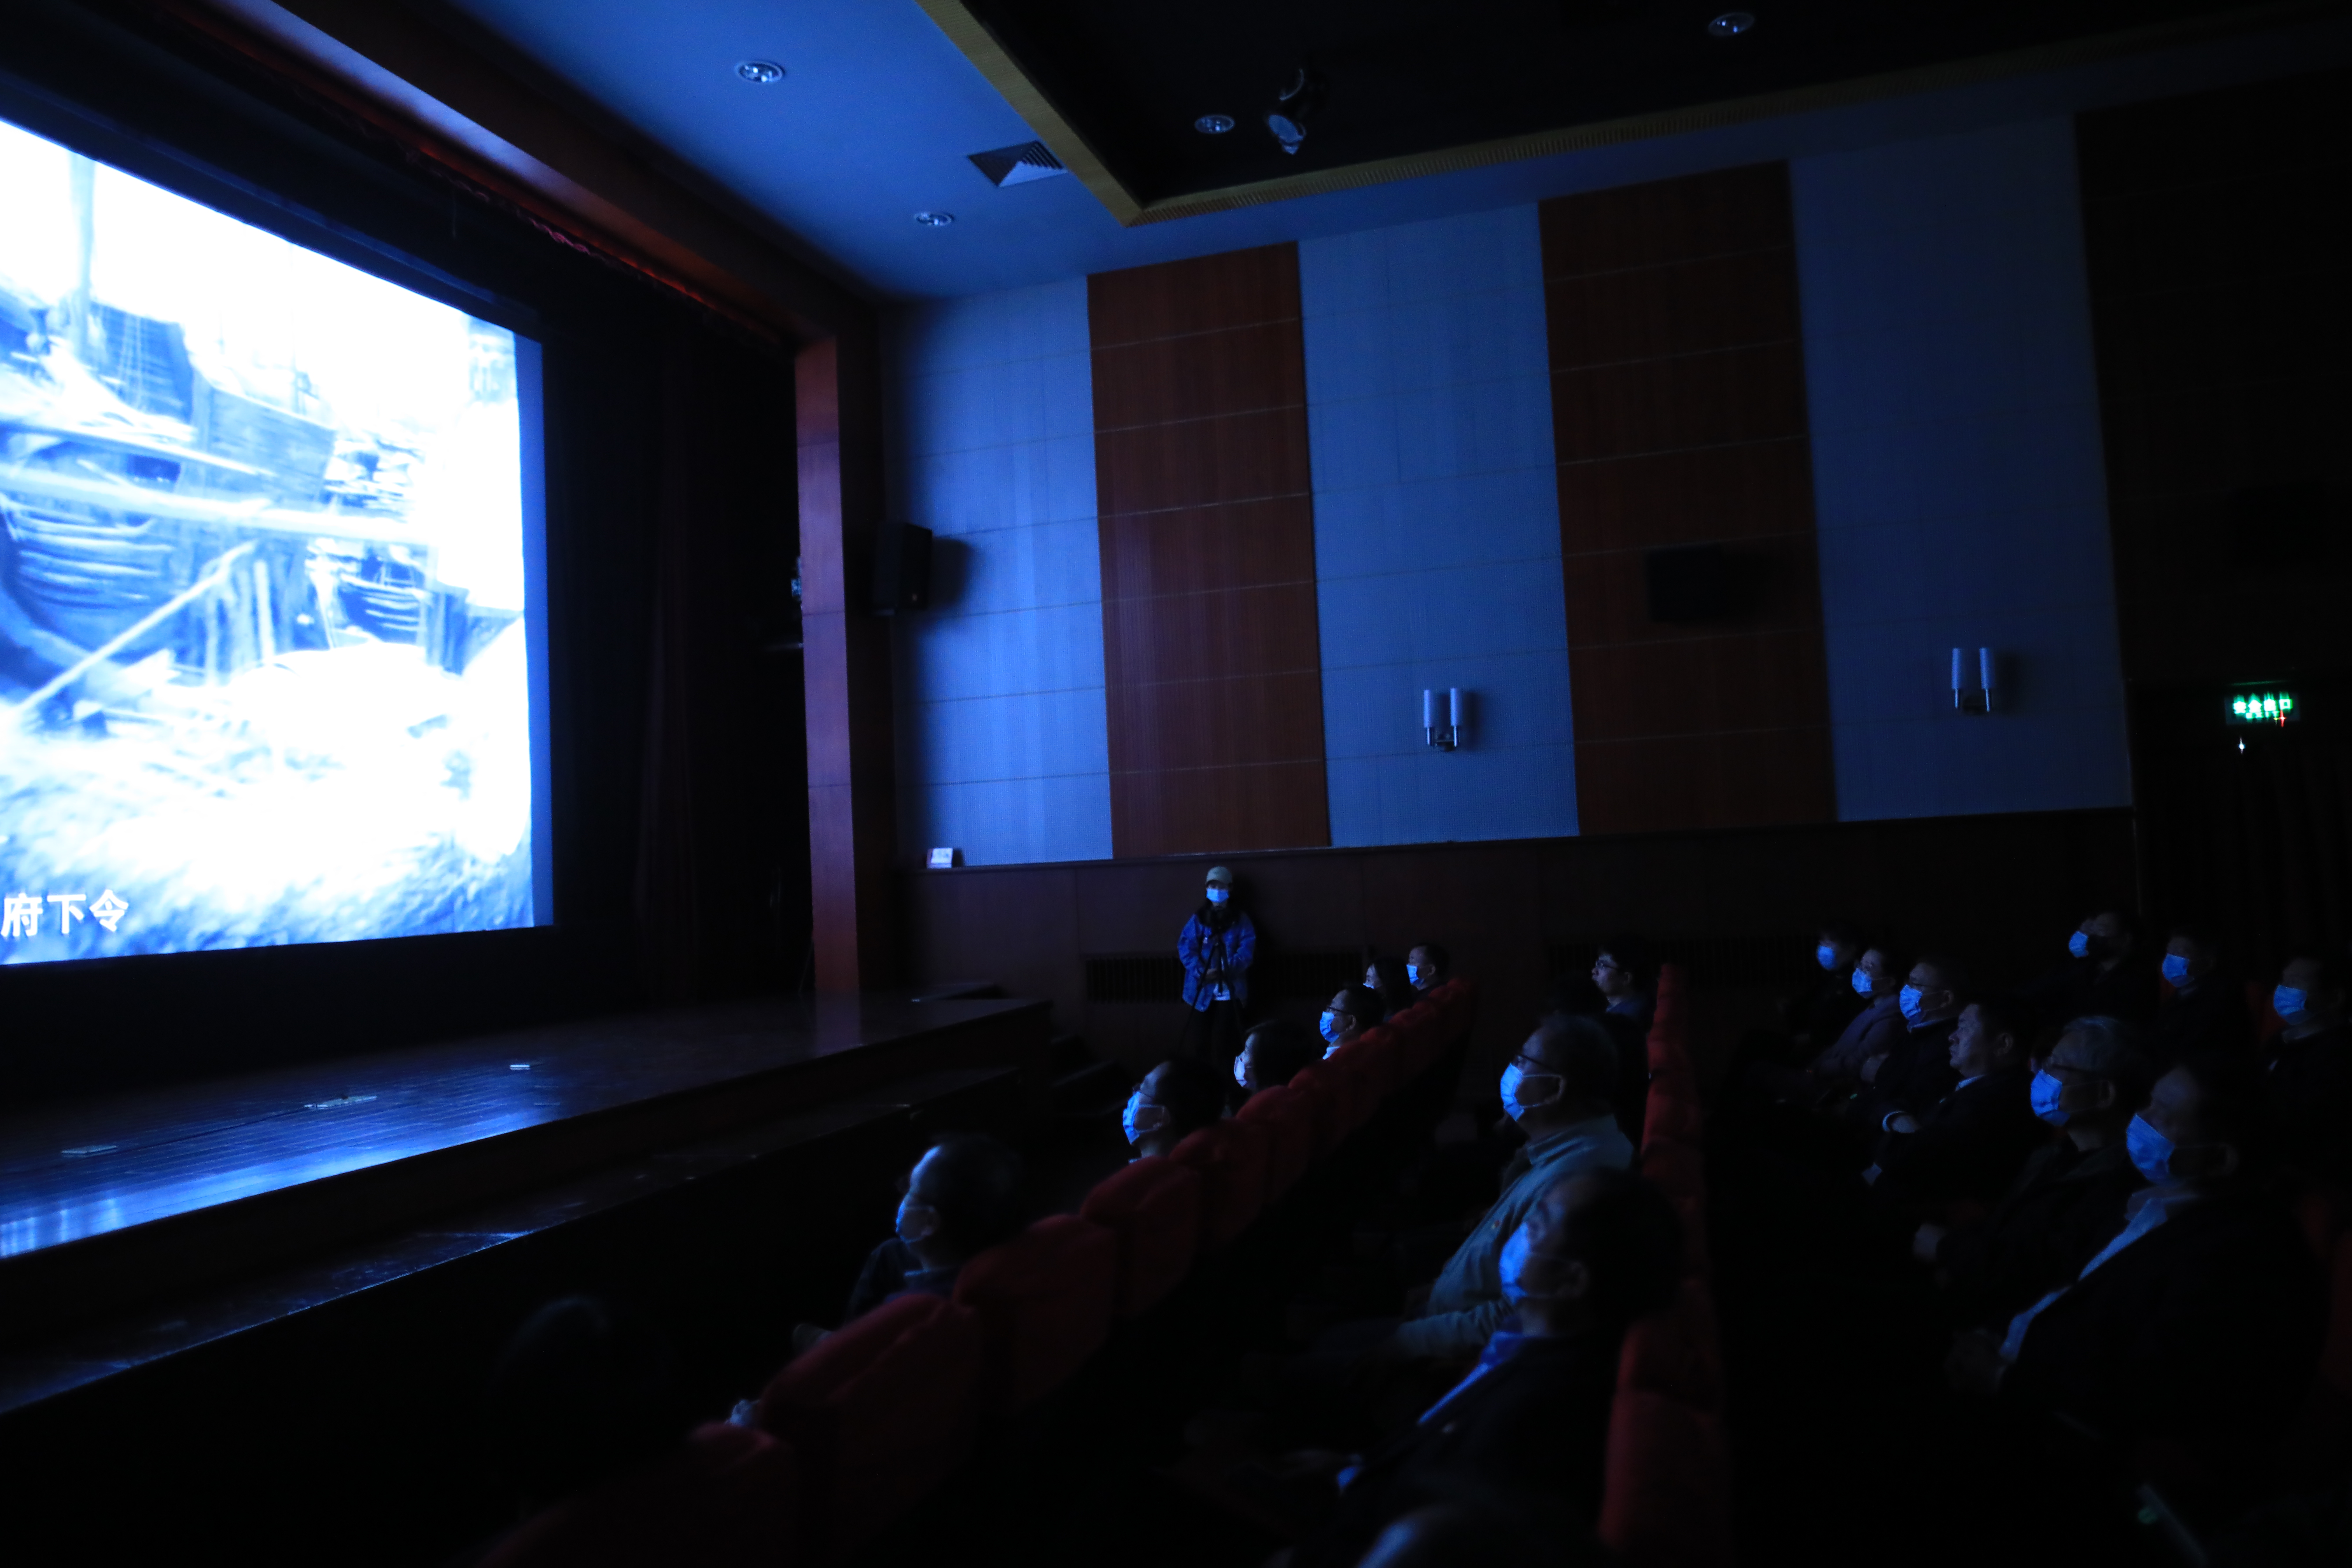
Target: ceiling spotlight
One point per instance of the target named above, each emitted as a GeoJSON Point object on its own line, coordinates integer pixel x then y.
{"type": "Point", "coordinates": [760, 73]}
{"type": "Point", "coordinates": [1731, 24]}
{"type": "Point", "coordinates": [935, 220]}
{"type": "Point", "coordinates": [1288, 117]}
{"type": "Point", "coordinates": [1213, 124]}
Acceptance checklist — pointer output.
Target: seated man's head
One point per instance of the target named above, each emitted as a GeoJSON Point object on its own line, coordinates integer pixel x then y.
{"type": "Point", "coordinates": [1934, 990]}
{"type": "Point", "coordinates": [963, 1197]}
{"type": "Point", "coordinates": [1427, 966]}
{"type": "Point", "coordinates": [1599, 1249]}
{"type": "Point", "coordinates": [2191, 953]}
{"type": "Point", "coordinates": [582, 1392]}
{"type": "Point", "coordinates": [2203, 1124]}
{"type": "Point", "coordinates": [1273, 1055]}
{"type": "Point", "coordinates": [1175, 1099]}
{"type": "Point", "coordinates": [2095, 1078]}
{"type": "Point", "coordinates": [1385, 978]}
{"type": "Point", "coordinates": [2105, 936]}
{"type": "Point", "coordinates": [1624, 967]}
{"type": "Point", "coordinates": [1351, 1011]}
{"type": "Point", "coordinates": [1840, 946]}
{"type": "Point", "coordinates": [1985, 1038]}
{"type": "Point", "coordinates": [1566, 1072]}
{"type": "Point", "coordinates": [2309, 997]}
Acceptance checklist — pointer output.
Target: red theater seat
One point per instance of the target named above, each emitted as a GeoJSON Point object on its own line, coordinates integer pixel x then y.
{"type": "Point", "coordinates": [879, 1414]}
{"type": "Point", "coordinates": [1672, 1111]}
{"type": "Point", "coordinates": [1154, 1206]}
{"type": "Point", "coordinates": [1287, 1121]}
{"type": "Point", "coordinates": [1674, 1350]}
{"type": "Point", "coordinates": [1666, 1499]}
{"type": "Point", "coordinates": [1231, 1157]}
{"type": "Point", "coordinates": [1045, 1302]}
{"type": "Point", "coordinates": [1347, 1102]}
{"type": "Point", "coordinates": [725, 1499]}
{"type": "Point", "coordinates": [1675, 1169]}
{"type": "Point", "coordinates": [2335, 1359]}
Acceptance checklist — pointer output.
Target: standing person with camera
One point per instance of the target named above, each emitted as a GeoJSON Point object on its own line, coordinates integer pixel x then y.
{"type": "Point", "coordinates": [1217, 948]}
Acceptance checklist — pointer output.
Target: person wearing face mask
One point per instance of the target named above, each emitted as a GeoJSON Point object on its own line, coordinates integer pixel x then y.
{"type": "Point", "coordinates": [1385, 978]}
{"type": "Point", "coordinates": [1876, 981]}
{"type": "Point", "coordinates": [2069, 1197]}
{"type": "Point", "coordinates": [2104, 973]}
{"type": "Point", "coordinates": [1557, 1087]}
{"type": "Point", "coordinates": [2207, 1009]}
{"type": "Point", "coordinates": [1426, 968]}
{"type": "Point", "coordinates": [2196, 1325]}
{"type": "Point", "coordinates": [1216, 947]}
{"type": "Point", "coordinates": [1917, 1070]}
{"type": "Point", "coordinates": [1347, 1015]}
{"type": "Point", "coordinates": [1272, 1056]}
{"type": "Point", "coordinates": [1531, 1419]}
{"type": "Point", "coordinates": [963, 1197]}
{"type": "Point", "coordinates": [1968, 1146]}
{"type": "Point", "coordinates": [2308, 1078]}
{"type": "Point", "coordinates": [1817, 1016]}
{"type": "Point", "coordinates": [1175, 1099]}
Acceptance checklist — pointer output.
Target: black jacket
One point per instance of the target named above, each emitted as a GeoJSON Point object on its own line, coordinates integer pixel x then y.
{"type": "Point", "coordinates": [2211, 1019]}
{"type": "Point", "coordinates": [1536, 1427]}
{"type": "Point", "coordinates": [2308, 1084]}
{"type": "Point", "coordinates": [1968, 1147]}
{"type": "Point", "coordinates": [2202, 1335]}
{"type": "Point", "coordinates": [2062, 1207]}
{"type": "Point", "coordinates": [2076, 989]}
{"type": "Point", "coordinates": [1916, 1074]}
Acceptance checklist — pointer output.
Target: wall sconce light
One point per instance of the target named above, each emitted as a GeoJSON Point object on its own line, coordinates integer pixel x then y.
{"type": "Point", "coordinates": [1979, 698]}
{"type": "Point", "coordinates": [1447, 734]}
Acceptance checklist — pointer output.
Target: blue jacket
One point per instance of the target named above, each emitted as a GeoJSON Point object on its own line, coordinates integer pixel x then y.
{"type": "Point", "coordinates": [1202, 950]}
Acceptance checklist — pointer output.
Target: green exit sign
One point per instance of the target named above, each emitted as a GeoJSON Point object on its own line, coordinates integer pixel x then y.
{"type": "Point", "coordinates": [2265, 708]}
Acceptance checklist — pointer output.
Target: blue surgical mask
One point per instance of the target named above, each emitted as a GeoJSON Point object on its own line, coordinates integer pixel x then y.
{"type": "Point", "coordinates": [1515, 1077]}
{"type": "Point", "coordinates": [1861, 984]}
{"type": "Point", "coordinates": [917, 1219]}
{"type": "Point", "coordinates": [2150, 1151]}
{"type": "Point", "coordinates": [2046, 1090]}
{"type": "Point", "coordinates": [1129, 1119]}
{"type": "Point", "coordinates": [1240, 1077]}
{"type": "Point", "coordinates": [1219, 895]}
{"type": "Point", "coordinates": [2079, 944]}
{"type": "Point", "coordinates": [1826, 956]}
{"type": "Point", "coordinates": [1331, 1025]}
{"type": "Point", "coordinates": [1511, 1265]}
{"type": "Point", "coordinates": [1908, 1000]}
{"type": "Point", "coordinates": [2286, 1001]}
{"type": "Point", "coordinates": [2175, 969]}
{"type": "Point", "coordinates": [1413, 975]}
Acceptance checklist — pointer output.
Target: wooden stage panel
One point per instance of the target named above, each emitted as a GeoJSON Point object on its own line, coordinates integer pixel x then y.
{"type": "Point", "coordinates": [109, 1201]}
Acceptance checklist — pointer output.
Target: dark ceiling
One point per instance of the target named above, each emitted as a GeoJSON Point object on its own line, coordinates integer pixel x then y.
{"type": "Point", "coordinates": [1404, 77]}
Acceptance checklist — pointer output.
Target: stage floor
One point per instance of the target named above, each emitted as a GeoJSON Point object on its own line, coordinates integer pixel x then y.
{"type": "Point", "coordinates": [199, 1179]}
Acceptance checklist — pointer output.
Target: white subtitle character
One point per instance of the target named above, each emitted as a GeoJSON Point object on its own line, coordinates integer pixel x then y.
{"type": "Point", "coordinates": [20, 915]}
{"type": "Point", "coordinates": [70, 909]}
{"type": "Point", "coordinates": [107, 909]}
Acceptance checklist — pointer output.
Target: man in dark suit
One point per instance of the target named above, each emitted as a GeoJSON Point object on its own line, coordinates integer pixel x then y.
{"type": "Point", "coordinates": [1917, 1070]}
{"type": "Point", "coordinates": [2193, 1334]}
{"type": "Point", "coordinates": [1968, 1146]}
{"type": "Point", "coordinates": [2206, 1012]}
{"type": "Point", "coordinates": [1532, 1417]}
{"type": "Point", "coordinates": [2069, 1197]}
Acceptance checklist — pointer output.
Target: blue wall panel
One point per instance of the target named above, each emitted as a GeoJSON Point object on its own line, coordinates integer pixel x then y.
{"type": "Point", "coordinates": [1959, 483]}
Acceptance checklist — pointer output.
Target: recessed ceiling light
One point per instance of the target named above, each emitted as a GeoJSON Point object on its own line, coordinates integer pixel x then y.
{"type": "Point", "coordinates": [935, 220]}
{"type": "Point", "coordinates": [1731, 24]}
{"type": "Point", "coordinates": [760, 72]}
{"type": "Point", "coordinates": [1213, 124]}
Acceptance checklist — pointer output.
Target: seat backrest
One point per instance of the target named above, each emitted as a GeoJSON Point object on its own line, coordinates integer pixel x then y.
{"type": "Point", "coordinates": [1675, 1169]}
{"type": "Point", "coordinates": [1231, 1157]}
{"type": "Point", "coordinates": [1045, 1302]}
{"type": "Point", "coordinates": [1673, 1109]}
{"type": "Point", "coordinates": [879, 1412]}
{"type": "Point", "coordinates": [2335, 1359]}
{"type": "Point", "coordinates": [1674, 1350]}
{"type": "Point", "coordinates": [1288, 1121]}
{"type": "Point", "coordinates": [1665, 1498]}
{"type": "Point", "coordinates": [1154, 1206]}
{"type": "Point", "coordinates": [1347, 1105]}
{"type": "Point", "coordinates": [724, 1498]}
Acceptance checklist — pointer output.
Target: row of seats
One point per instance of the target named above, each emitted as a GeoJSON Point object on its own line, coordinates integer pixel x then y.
{"type": "Point", "coordinates": [1666, 1493]}
{"type": "Point", "coordinates": [881, 1412]}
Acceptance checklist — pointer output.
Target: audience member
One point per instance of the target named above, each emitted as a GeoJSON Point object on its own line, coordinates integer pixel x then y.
{"type": "Point", "coordinates": [582, 1393]}
{"type": "Point", "coordinates": [2105, 973]}
{"type": "Point", "coordinates": [1531, 1418]}
{"type": "Point", "coordinates": [2069, 1198]}
{"type": "Point", "coordinates": [1626, 975]}
{"type": "Point", "coordinates": [1917, 1069]}
{"type": "Point", "coordinates": [2207, 1010]}
{"type": "Point", "coordinates": [1351, 1011]}
{"type": "Point", "coordinates": [2308, 1079]}
{"type": "Point", "coordinates": [1427, 967]}
{"type": "Point", "coordinates": [1217, 948]}
{"type": "Point", "coordinates": [1557, 1087]}
{"type": "Point", "coordinates": [2198, 1325]}
{"type": "Point", "coordinates": [1819, 1015]}
{"type": "Point", "coordinates": [1385, 978]}
{"type": "Point", "coordinates": [1968, 1146]}
{"type": "Point", "coordinates": [1870, 1034]}
{"type": "Point", "coordinates": [1175, 1099]}
{"type": "Point", "coordinates": [1272, 1056]}
{"type": "Point", "coordinates": [963, 1197]}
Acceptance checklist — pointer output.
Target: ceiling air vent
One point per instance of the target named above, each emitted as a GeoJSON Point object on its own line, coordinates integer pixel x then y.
{"type": "Point", "coordinates": [1018, 165]}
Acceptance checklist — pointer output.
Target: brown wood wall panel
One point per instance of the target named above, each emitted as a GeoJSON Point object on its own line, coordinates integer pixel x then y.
{"type": "Point", "coordinates": [1678, 417]}
{"type": "Point", "coordinates": [1211, 656]}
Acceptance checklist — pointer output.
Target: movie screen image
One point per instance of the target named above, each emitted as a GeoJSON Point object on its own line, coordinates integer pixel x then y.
{"type": "Point", "coordinates": [266, 660]}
